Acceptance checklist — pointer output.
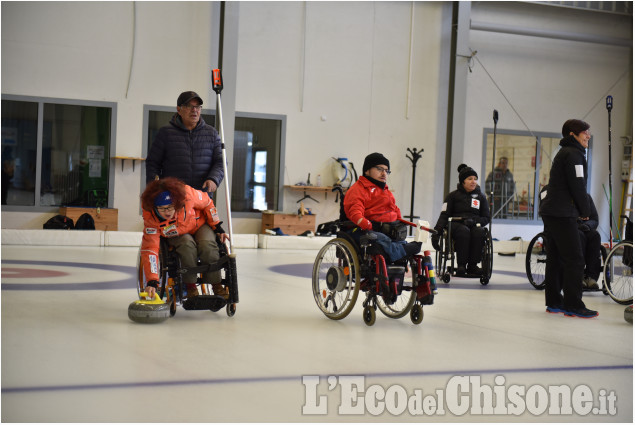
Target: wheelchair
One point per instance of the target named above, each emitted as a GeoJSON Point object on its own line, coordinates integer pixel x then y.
{"type": "Point", "coordinates": [536, 263]}
{"type": "Point", "coordinates": [343, 268]}
{"type": "Point", "coordinates": [619, 267]}
{"type": "Point", "coordinates": [446, 256]}
{"type": "Point", "coordinates": [173, 290]}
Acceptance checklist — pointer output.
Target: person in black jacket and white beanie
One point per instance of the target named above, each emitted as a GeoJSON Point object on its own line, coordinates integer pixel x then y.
{"type": "Point", "coordinates": [469, 203]}
{"type": "Point", "coordinates": [187, 148]}
{"type": "Point", "coordinates": [564, 201]}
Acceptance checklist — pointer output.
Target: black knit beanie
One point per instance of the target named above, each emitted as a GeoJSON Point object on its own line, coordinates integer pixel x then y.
{"type": "Point", "coordinates": [465, 172]}
{"type": "Point", "coordinates": [373, 160]}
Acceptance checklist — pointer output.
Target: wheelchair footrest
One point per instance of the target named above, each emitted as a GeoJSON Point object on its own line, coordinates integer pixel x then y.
{"type": "Point", "coordinates": [205, 302]}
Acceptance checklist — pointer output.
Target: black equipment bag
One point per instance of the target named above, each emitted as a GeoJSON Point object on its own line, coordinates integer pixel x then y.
{"type": "Point", "coordinates": [395, 230]}
{"type": "Point", "coordinates": [59, 222]}
{"type": "Point", "coordinates": [85, 222]}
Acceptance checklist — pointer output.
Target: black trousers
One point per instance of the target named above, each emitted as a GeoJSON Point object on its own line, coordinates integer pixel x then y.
{"type": "Point", "coordinates": [468, 243]}
{"type": "Point", "coordinates": [565, 263]}
{"type": "Point", "coordinates": [591, 242]}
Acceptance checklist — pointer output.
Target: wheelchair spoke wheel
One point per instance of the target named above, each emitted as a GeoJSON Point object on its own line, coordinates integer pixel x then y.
{"type": "Point", "coordinates": [336, 278]}
{"type": "Point", "coordinates": [397, 305]}
{"type": "Point", "coordinates": [487, 261]}
{"type": "Point", "coordinates": [618, 273]}
{"type": "Point", "coordinates": [443, 257]}
{"type": "Point", "coordinates": [536, 261]}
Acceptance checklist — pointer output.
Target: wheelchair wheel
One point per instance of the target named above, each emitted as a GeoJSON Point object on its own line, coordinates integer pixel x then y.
{"type": "Point", "coordinates": [336, 278]}
{"type": "Point", "coordinates": [618, 272]}
{"type": "Point", "coordinates": [442, 258]}
{"type": "Point", "coordinates": [398, 307]}
{"type": "Point", "coordinates": [604, 275]}
{"type": "Point", "coordinates": [536, 261]}
{"type": "Point", "coordinates": [416, 314]}
{"type": "Point", "coordinates": [369, 315]}
{"type": "Point", "coordinates": [487, 261]}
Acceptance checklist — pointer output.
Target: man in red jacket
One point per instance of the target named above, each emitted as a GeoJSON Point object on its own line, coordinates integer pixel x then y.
{"type": "Point", "coordinates": [369, 204]}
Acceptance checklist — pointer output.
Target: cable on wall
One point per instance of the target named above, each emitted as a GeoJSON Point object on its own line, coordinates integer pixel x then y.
{"type": "Point", "coordinates": [303, 64]}
{"type": "Point", "coordinates": [474, 55]}
{"type": "Point", "coordinates": [134, 42]}
{"type": "Point", "coordinates": [408, 90]}
{"type": "Point", "coordinates": [603, 97]}
{"type": "Point", "coordinates": [372, 73]}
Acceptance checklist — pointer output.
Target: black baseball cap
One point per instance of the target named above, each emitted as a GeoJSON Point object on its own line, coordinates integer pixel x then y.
{"type": "Point", "coordinates": [186, 96]}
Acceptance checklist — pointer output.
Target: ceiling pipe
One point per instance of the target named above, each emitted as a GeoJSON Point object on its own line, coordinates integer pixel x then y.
{"type": "Point", "coordinates": [560, 35]}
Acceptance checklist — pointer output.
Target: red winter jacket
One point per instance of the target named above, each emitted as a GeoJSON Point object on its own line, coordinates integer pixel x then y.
{"type": "Point", "coordinates": [198, 210]}
{"type": "Point", "coordinates": [367, 200]}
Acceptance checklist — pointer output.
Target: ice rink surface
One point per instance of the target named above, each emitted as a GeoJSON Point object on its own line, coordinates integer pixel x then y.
{"type": "Point", "coordinates": [482, 354]}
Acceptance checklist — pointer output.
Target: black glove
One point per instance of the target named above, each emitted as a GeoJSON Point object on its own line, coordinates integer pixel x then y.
{"type": "Point", "coordinates": [219, 229]}
{"type": "Point", "coordinates": [583, 227]}
{"type": "Point", "coordinates": [469, 222]}
{"type": "Point", "coordinates": [435, 241]}
{"type": "Point", "coordinates": [153, 283]}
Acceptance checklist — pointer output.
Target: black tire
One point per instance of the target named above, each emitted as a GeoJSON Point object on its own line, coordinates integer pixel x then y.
{"type": "Point", "coordinates": [618, 272]}
{"type": "Point", "coordinates": [416, 314]}
{"type": "Point", "coordinates": [369, 315]}
{"type": "Point", "coordinates": [335, 278]}
{"type": "Point", "coordinates": [536, 261]}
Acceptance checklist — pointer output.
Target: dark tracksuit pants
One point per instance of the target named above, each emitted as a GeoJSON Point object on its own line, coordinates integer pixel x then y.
{"type": "Point", "coordinates": [591, 243]}
{"type": "Point", "coordinates": [468, 243]}
{"type": "Point", "coordinates": [565, 263]}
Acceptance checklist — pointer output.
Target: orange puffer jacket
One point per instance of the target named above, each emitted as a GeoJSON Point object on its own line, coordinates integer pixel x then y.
{"type": "Point", "coordinates": [198, 210]}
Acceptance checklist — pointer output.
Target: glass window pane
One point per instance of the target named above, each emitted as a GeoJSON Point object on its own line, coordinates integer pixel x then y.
{"type": "Point", "coordinates": [75, 155]}
{"type": "Point", "coordinates": [255, 175]}
{"type": "Point", "coordinates": [260, 167]}
{"type": "Point", "coordinates": [19, 152]}
{"type": "Point", "coordinates": [548, 150]}
{"type": "Point", "coordinates": [513, 176]}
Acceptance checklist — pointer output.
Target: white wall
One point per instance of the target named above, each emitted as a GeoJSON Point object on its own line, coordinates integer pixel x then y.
{"type": "Point", "coordinates": [347, 61]}
{"type": "Point", "coordinates": [345, 94]}
{"type": "Point", "coordinates": [549, 81]}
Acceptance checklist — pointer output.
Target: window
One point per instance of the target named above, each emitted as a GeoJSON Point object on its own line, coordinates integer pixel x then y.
{"type": "Point", "coordinates": [257, 156]}
{"type": "Point", "coordinates": [55, 153]}
{"type": "Point", "coordinates": [257, 163]}
{"type": "Point", "coordinates": [521, 168]}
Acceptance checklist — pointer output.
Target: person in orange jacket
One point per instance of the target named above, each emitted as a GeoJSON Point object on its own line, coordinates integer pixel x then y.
{"type": "Point", "coordinates": [188, 219]}
{"type": "Point", "coordinates": [371, 206]}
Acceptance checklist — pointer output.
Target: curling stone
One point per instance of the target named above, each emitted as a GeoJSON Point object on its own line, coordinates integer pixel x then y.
{"type": "Point", "coordinates": [628, 314]}
{"type": "Point", "coordinates": [148, 311]}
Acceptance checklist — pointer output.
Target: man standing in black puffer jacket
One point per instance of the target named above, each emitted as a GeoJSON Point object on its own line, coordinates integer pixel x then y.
{"type": "Point", "coordinates": [564, 201]}
{"type": "Point", "coordinates": [187, 148]}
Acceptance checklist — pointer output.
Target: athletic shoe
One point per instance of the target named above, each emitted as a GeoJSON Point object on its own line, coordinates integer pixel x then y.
{"type": "Point", "coordinates": [460, 271]}
{"type": "Point", "coordinates": [412, 248]}
{"type": "Point", "coordinates": [555, 310]}
{"type": "Point", "coordinates": [590, 283]}
{"type": "Point", "coordinates": [582, 312]}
